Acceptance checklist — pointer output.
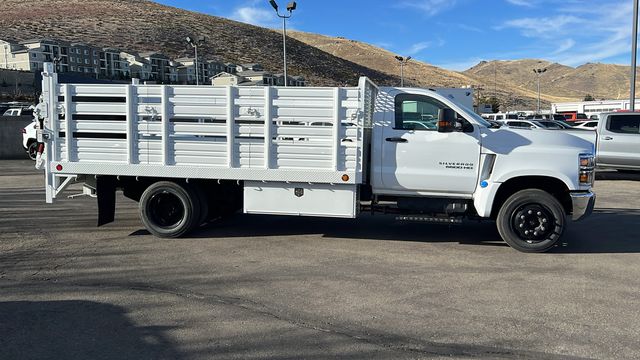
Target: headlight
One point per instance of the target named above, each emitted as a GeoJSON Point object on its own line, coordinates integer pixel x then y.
{"type": "Point", "coordinates": [587, 165]}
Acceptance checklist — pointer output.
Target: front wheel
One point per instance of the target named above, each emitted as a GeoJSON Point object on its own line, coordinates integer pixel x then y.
{"type": "Point", "coordinates": [531, 220]}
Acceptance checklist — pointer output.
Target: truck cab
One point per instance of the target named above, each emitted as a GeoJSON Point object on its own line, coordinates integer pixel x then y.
{"type": "Point", "coordinates": [432, 155]}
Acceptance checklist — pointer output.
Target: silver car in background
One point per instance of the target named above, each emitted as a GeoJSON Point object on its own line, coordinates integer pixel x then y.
{"type": "Point", "coordinates": [618, 141]}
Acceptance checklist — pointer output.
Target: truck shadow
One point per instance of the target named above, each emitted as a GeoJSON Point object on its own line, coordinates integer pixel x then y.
{"type": "Point", "coordinates": [77, 330]}
{"type": "Point", "coordinates": [606, 231]}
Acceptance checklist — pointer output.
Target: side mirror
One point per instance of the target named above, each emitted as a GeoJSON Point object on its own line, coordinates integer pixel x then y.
{"type": "Point", "coordinates": [446, 120]}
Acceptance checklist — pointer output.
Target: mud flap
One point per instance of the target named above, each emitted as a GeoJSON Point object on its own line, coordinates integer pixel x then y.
{"type": "Point", "coordinates": [106, 189]}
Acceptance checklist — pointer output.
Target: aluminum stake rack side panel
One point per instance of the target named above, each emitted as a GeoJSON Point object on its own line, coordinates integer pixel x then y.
{"type": "Point", "coordinates": [282, 134]}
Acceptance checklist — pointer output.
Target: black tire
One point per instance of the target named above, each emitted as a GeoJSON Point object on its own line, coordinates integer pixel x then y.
{"type": "Point", "coordinates": [169, 210]}
{"type": "Point", "coordinates": [203, 204]}
{"type": "Point", "coordinates": [531, 221]}
{"type": "Point", "coordinates": [32, 150]}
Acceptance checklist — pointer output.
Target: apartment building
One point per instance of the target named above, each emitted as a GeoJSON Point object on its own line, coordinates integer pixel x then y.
{"type": "Point", "coordinates": [140, 68]}
{"type": "Point", "coordinates": [259, 77]}
{"type": "Point", "coordinates": [249, 67]}
{"type": "Point", "coordinates": [113, 65]}
{"type": "Point", "coordinates": [291, 80]}
{"type": "Point", "coordinates": [216, 67]}
{"type": "Point", "coordinates": [224, 78]}
{"type": "Point", "coordinates": [254, 78]}
{"type": "Point", "coordinates": [163, 69]}
{"type": "Point", "coordinates": [84, 58]}
{"type": "Point", "coordinates": [31, 54]}
{"type": "Point", "coordinates": [187, 70]}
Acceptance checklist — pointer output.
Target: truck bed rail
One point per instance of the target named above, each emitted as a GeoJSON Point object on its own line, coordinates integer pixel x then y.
{"type": "Point", "coordinates": [267, 133]}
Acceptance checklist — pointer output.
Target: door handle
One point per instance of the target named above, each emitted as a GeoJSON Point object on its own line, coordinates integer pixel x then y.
{"type": "Point", "coordinates": [607, 138]}
{"type": "Point", "coordinates": [397, 140]}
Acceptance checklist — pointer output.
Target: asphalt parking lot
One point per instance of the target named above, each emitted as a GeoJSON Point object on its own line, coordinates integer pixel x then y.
{"type": "Point", "coordinates": [256, 287]}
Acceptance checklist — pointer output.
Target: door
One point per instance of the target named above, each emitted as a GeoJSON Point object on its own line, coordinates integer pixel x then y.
{"type": "Point", "coordinates": [619, 141]}
{"type": "Point", "coordinates": [416, 158]}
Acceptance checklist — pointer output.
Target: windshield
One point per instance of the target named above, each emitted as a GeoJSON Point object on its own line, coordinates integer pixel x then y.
{"type": "Point", "coordinates": [479, 119]}
{"type": "Point", "coordinates": [581, 116]}
{"type": "Point", "coordinates": [549, 124]}
{"type": "Point", "coordinates": [563, 122]}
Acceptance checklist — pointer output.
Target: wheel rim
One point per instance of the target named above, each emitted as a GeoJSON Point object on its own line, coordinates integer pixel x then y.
{"type": "Point", "coordinates": [32, 151]}
{"type": "Point", "coordinates": [533, 223]}
{"type": "Point", "coordinates": [166, 209]}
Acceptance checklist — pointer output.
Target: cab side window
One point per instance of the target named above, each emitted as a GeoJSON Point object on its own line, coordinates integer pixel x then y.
{"type": "Point", "coordinates": [624, 124]}
{"type": "Point", "coordinates": [417, 112]}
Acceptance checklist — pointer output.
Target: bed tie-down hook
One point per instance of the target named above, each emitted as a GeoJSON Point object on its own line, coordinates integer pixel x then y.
{"type": "Point", "coordinates": [253, 112]}
{"type": "Point", "coordinates": [151, 111]}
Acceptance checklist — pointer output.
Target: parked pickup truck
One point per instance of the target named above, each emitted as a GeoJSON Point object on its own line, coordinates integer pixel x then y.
{"type": "Point", "coordinates": [192, 153]}
{"type": "Point", "coordinates": [618, 141]}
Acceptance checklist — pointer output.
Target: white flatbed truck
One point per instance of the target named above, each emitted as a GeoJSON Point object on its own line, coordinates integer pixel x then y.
{"type": "Point", "coordinates": [192, 153]}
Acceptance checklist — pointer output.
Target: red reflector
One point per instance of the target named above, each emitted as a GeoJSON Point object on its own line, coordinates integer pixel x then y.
{"type": "Point", "coordinates": [59, 167]}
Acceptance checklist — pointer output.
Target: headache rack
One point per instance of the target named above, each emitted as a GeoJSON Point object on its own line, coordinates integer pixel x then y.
{"type": "Point", "coordinates": [258, 133]}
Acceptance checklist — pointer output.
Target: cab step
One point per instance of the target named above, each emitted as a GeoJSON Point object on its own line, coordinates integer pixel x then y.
{"type": "Point", "coordinates": [430, 219]}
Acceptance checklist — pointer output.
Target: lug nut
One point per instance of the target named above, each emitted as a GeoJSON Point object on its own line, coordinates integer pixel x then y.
{"type": "Point", "coordinates": [539, 213]}
{"type": "Point", "coordinates": [544, 220]}
{"type": "Point", "coordinates": [530, 212]}
{"type": "Point", "coordinates": [535, 233]}
{"type": "Point", "coordinates": [522, 217]}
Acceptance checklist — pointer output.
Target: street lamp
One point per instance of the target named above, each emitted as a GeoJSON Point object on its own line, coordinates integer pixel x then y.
{"type": "Point", "coordinates": [403, 62]}
{"type": "Point", "coordinates": [478, 89]}
{"type": "Point", "coordinates": [56, 64]}
{"type": "Point", "coordinates": [634, 56]}
{"type": "Point", "coordinates": [195, 45]}
{"type": "Point", "coordinates": [538, 73]}
{"type": "Point", "coordinates": [290, 7]}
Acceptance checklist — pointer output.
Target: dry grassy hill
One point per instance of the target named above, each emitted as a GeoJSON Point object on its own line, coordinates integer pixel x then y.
{"type": "Point", "coordinates": [416, 73]}
{"type": "Point", "coordinates": [425, 75]}
{"type": "Point", "coordinates": [599, 80]}
{"type": "Point", "coordinates": [141, 25]}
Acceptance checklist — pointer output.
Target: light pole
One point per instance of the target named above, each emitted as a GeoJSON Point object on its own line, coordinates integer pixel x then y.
{"type": "Point", "coordinates": [290, 7]}
{"type": "Point", "coordinates": [56, 65]}
{"type": "Point", "coordinates": [634, 56]}
{"type": "Point", "coordinates": [538, 73]}
{"type": "Point", "coordinates": [195, 45]}
{"type": "Point", "coordinates": [479, 88]}
{"type": "Point", "coordinates": [403, 62]}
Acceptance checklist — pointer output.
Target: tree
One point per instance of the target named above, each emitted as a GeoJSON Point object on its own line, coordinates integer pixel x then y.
{"type": "Point", "coordinates": [588, 97]}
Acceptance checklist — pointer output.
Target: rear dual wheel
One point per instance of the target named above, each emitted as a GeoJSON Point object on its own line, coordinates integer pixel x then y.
{"type": "Point", "coordinates": [171, 210]}
{"type": "Point", "coordinates": [531, 220]}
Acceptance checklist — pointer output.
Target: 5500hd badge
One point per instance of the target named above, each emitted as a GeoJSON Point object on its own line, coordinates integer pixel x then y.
{"type": "Point", "coordinates": [457, 165]}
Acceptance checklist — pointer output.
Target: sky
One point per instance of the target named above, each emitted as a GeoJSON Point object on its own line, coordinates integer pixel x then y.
{"type": "Point", "coordinates": [456, 34]}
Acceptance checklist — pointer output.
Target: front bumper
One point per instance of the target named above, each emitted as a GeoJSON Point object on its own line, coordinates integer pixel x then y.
{"type": "Point", "coordinates": [583, 203]}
